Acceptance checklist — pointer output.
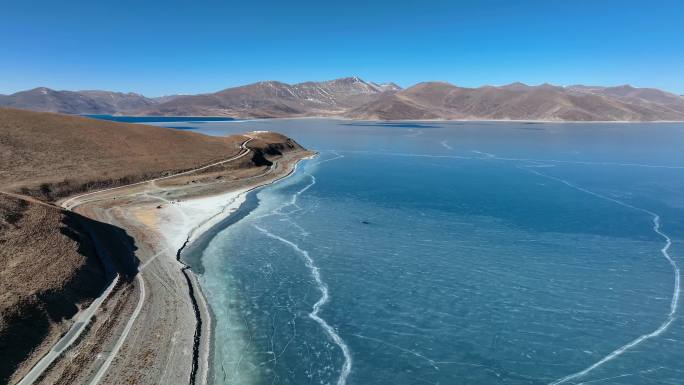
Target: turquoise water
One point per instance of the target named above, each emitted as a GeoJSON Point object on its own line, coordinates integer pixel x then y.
{"type": "Point", "coordinates": [455, 253]}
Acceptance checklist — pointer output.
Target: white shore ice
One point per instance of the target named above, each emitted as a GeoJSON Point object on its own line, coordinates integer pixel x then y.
{"type": "Point", "coordinates": [181, 221]}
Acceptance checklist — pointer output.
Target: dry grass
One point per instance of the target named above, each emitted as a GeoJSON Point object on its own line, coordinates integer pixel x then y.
{"type": "Point", "coordinates": [49, 268]}
{"type": "Point", "coordinates": [48, 263]}
{"type": "Point", "coordinates": [51, 155]}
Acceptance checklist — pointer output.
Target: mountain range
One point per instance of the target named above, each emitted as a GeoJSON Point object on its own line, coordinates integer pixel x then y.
{"type": "Point", "coordinates": [355, 98]}
{"type": "Point", "coordinates": [79, 102]}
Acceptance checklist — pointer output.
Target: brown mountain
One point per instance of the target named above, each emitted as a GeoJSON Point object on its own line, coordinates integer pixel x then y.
{"type": "Point", "coordinates": [358, 99]}
{"type": "Point", "coordinates": [119, 102]}
{"type": "Point", "coordinates": [640, 96]}
{"type": "Point", "coordinates": [275, 99]}
{"type": "Point", "coordinates": [76, 102]}
{"type": "Point", "coordinates": [517, 101]}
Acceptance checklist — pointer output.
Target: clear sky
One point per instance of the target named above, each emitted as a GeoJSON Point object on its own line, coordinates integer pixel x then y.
{"type": "Point", "coordinates": [170, 46]}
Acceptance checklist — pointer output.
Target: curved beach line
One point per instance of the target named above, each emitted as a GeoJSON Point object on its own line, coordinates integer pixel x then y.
{"type": "Point", "coordinates": [325, 297]}
{"type": "Point", "coordinates": [674, 303]}
{"type": "Point", "coordinates": [295, 196]}
{"type": "Point", "coordinates": [293, 201]}
{"type": "Point", "coordinates": [337, 156]}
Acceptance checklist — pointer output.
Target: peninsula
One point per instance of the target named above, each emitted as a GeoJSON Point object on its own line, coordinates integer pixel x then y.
{"type": "Point", "coordinates": [94, 216]}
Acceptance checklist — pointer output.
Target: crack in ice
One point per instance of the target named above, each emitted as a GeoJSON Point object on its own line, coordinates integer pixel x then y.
{"type": "Point", "coordinates": [489, 156]}
{"type": "Point", "coordinates": [325, 297]}
{"type": "Point", "coordinates": [315, 272]}
{"type": "Point", "coordinates": [674, 302]}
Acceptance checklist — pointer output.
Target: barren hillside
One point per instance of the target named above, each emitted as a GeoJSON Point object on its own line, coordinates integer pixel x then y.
{"type": "Point", "coordinates": [49, 269]}
{"type": "Point", "coordinates": [356, 98]}
{"type": "Point", "coordinates": [437, 100]}
{"type": "Point", "coordinates": [53, 155]}
{"type": "Point", "coordinates": [272, 99]}
{"type": "Point", "coordinates": [51, 265]}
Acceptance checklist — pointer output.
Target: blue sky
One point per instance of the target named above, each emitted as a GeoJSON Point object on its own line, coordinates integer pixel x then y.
{"type": "Point", "coordinates": [166, 47]}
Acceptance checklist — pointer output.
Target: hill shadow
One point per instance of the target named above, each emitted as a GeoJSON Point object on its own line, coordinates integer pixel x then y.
{"type": "Point", "coordinates": [107, 249]}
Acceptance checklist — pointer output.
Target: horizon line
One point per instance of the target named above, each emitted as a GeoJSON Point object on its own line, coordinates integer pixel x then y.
{"type": "Point", "coordinates": [59, 89]}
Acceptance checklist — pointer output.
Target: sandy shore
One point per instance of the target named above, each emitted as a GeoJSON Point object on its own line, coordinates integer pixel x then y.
{"type": "Point", "coordinates": [180, 224]}
{"type": "Point", "coordinates": [155, 328]}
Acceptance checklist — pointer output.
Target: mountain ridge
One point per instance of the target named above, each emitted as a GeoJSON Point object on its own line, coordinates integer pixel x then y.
{"type": "Point", "coordinates": [355, 98]}
{"type": "Point", "coordinates": [273, 99]}
{"type": "Point", "coordinates": [518, 101]}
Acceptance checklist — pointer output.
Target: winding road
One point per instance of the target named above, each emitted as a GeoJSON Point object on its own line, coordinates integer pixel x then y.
{"type": "Point", "coordinates": [84, 317]}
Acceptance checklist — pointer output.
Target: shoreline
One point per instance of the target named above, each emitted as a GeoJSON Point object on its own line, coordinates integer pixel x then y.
{"type": "Point", "coordinates": [537, 121]}
{"type": "Point", "coordinates": [236, 119]}
{"type": "Point", "coordinates": [197, 237]}
{"type": "Point", "coordinates": [159, 327]}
